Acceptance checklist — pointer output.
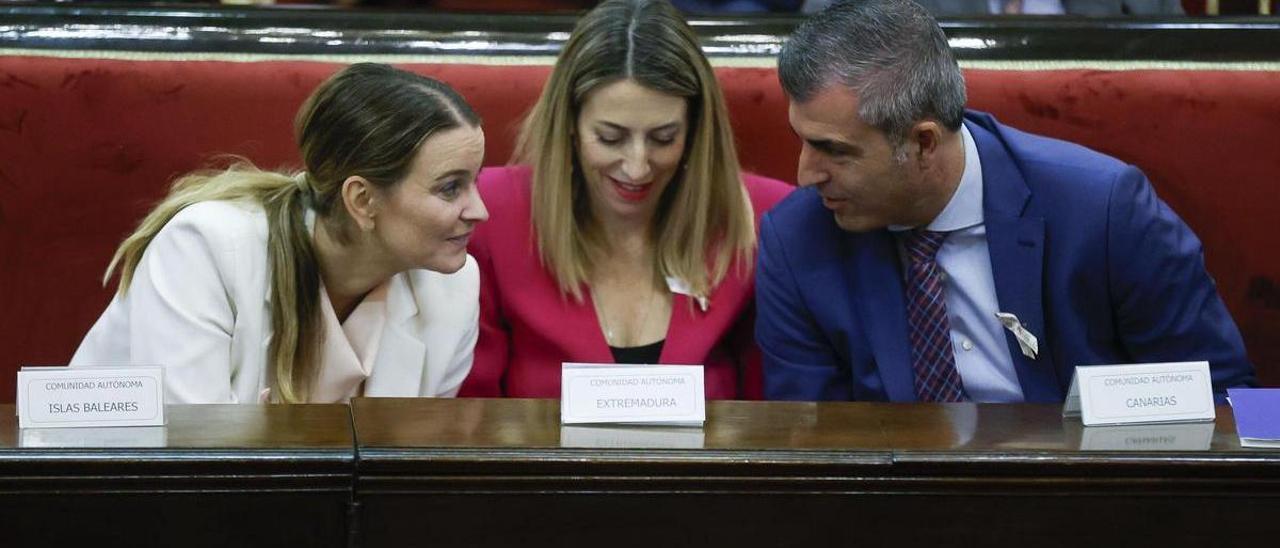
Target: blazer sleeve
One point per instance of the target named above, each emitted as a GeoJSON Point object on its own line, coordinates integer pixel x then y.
{"type": "Point", "coordinates": [493, 343]}
{"type": "Point", "coordinates": [1167, 305]}
{"type": "Point", "coordinates": [799, 364]}
{"type": "Point", "coordinates": [180, 311]}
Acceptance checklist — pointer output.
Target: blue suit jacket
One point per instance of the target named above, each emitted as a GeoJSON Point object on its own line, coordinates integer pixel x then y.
{"type": "Point", "coordinates": [1097, 267]}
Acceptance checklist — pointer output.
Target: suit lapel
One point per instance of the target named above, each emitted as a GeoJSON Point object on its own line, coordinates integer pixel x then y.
{"type": "Point", "coordinates": [877, 281]}
{"type": "Point", "coordinates": [1015, 242]}
{"type": "Point", "coordinates": [1017, 259]}
{"type": "Point", "coordinates": [397, 371]}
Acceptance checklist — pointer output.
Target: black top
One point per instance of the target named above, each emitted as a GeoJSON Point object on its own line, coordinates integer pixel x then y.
{"type": "Point", "coordinates": [647, 354]}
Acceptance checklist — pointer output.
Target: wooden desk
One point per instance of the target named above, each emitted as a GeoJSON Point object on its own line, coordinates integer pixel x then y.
{"type": "Point", "coordinates": [217, 475]}
{"type": "Point", "coordinates": [505, 473]}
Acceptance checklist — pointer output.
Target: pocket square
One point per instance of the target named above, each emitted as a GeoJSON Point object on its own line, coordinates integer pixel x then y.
{"type": "Point", "coordinates": [1026, 341]}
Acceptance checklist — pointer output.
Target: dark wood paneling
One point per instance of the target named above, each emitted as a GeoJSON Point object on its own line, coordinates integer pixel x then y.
{"type": "Point", "coordinates": [216, 475]}
{"type": "Point", "coordinates": [459, 472]}
{"type": "Point", "coordinates": [497, 472]}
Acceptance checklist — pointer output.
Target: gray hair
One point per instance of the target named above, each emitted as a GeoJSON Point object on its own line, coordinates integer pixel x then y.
{"type": "Point", "coordinates": [891, 53]}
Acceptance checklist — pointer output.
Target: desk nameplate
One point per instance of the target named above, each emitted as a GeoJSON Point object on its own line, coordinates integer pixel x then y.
{"type": "Point", "coordinates": [66, 397]}
{"type": "Point", "coordinates": [644, 394]}
{"type": "Point", "coordinates": [1141, 393]}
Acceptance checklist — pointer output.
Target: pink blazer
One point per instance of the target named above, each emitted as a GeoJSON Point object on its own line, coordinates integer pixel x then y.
{"type": "Point", "coordinates": [527, 328]}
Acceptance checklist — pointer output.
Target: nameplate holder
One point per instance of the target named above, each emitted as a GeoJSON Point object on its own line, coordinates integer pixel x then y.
{"type": "Point", "coordinates": [632, 394]}
{"type": "Point", "coordinates": [1141, 393]}
{"type": "Point", "coordinates": [70, 397]}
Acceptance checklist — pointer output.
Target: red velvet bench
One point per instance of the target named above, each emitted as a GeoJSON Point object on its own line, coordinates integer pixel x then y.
{"type": "Point", "coordinates": [88, 144]}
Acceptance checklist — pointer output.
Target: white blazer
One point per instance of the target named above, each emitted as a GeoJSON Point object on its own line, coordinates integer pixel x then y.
{"type": "Point", "coordinates": [199, 305]}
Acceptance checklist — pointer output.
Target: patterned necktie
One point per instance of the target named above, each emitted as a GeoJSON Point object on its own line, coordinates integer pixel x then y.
{"type": "Point", "coordinates": [932, 358]}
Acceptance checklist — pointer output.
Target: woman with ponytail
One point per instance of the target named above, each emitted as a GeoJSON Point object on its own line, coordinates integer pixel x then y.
{"type": "Point", "coordinates": [350, 278]}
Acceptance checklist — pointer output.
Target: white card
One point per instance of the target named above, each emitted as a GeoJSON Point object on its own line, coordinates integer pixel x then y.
{"type": "Point", "coordinates": [1141, 393]}
{"type": "Point", "coordinates": [644, 394]}
{"type": "Point", "coordinates": [63, 397]}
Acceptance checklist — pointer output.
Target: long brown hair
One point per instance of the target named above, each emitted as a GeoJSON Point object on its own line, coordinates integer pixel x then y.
{"type": "Point", "coordinates": [367, 120]}
{"type": "Point", "coordinates": [704, 219]}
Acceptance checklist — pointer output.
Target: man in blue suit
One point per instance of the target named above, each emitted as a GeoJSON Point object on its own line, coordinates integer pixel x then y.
{"type": "Point", "coordinates": [937, 255]}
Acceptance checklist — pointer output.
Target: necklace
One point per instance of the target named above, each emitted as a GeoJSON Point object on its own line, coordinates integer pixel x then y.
{"type": "Point", "coordinates": [609, 336]}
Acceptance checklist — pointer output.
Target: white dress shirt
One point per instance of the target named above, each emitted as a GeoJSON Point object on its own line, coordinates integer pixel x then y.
{"type": "Point", "coordinates": [977, 338]}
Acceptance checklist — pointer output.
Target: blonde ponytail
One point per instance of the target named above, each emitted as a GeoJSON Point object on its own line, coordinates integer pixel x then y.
{"type": "Point", "coordinates": [295, 278]}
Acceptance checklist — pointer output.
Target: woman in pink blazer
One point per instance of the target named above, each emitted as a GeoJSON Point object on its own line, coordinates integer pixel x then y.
{"type": "Point", "coordinates": [624, 232]}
